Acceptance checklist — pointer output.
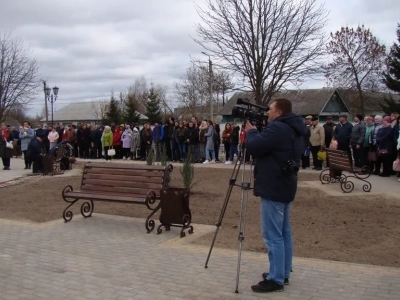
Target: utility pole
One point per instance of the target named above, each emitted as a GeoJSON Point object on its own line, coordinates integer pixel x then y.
{"type": "Point", "coordinates": [211, 85]}
{"type": "Point", "coordinates": [45, 103]}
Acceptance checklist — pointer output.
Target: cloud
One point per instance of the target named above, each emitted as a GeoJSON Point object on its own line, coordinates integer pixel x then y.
{"type": "Point", "coordinates": [88, 47]}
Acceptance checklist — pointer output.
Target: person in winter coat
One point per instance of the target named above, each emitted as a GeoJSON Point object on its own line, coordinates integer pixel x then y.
{"type": "Point", "coordinates": [35, 153]}
{"type": "Point", "coordinates": [210, 149]}
{"type": "Point", "coordinates": [384, 141]}
{"type": "Point", "coordinates": [357, 140]}
{"type": "Point", "coordinates": [203, 140]}
{"type": "Point", "coordinates": [329, 127]}
{"type": "Point", "coordinates": [181, 138]}
{"type": "Point", "coordinates": [107, 141]}
{"type": "Point", "coordinates": [226, 140]}
{"type": "Point", "coordinates": [369, 127]}
{"type": "Point", "coordinates": [342, 134]}
{"type": "Point", "coordinates": [276, 183]}
{"type": "Point", "coordinates": [53, 138]}
{"type": "Point", "coordinates": [217, 141]}
{"type": "Point", "coordinates": [317, 141]}
{"type": "Point", "coordinates": [193, 141]}
{"type": "Point", "coordinates": [26, 135]}
{"type": "Point", "coordinates": [126, 139]}
{"type": "Point", "coordinates": [135, 142]}
{"type": "Point", "coordinates": [305, 157]}
{"type": "Point", "coordinates": [158, 139]}
{"type": "Point", "coordinates": [146, 138]}
{"type": "Point", "coordinates": [117, 143]}
{"type": "Point", "coordinates": [6, 136]}
{"type": "Point", "coordinates": [233, 143]}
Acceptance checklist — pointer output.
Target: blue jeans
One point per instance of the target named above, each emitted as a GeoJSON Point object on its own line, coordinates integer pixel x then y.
{"type": "Point", "coordinates": [212, 154]}
{"type": "Point", "coordinates": [182, 150]}
{"type": "Point", "coordinates": [277, 235]}
{"type": "Point", "coordinates": [232, 151]}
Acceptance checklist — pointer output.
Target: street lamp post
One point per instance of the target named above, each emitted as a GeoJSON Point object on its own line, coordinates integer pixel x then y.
{"type": "Point", "coordinates": [211, 84]}
{"type": "Point", "coordinates": [51, 97]}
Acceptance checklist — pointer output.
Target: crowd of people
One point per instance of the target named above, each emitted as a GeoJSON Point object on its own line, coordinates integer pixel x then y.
{"type": "Point", "coordinates": [372, 142]}
{"type": "Point", "coordinates": [173, 140]}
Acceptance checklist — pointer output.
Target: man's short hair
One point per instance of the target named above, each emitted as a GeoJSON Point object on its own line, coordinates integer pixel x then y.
{"type": "Point", "coordinates": [283, 104]}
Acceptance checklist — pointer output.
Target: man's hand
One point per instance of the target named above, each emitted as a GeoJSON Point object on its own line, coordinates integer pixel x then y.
{"type": "Point", "coordinates": [249, 126]}
{"type": "Point", "coordinates": [358, 147]}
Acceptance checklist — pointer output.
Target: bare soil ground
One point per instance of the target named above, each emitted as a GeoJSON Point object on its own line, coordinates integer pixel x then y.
{"type": "Point", "coordinates": [351, 229]}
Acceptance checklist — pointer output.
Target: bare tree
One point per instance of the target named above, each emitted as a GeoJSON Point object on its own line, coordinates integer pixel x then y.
{"type": "Point", "coordinates": [141, 91]}
{"type": "Point", "coordinates": [193, 89]}
{"type": "Point", "coordinates": [268, 42]}
{"type": "Point", "coordinates": [358, 61]}
{"type": "Point", "coordinates": [18, 74]}
{"type": "Point", "coordinates": [164, 100]}
{"type": "Point", "coordinates": [99, 109]}
{"type": "Point", "coordinates": [222, 83]}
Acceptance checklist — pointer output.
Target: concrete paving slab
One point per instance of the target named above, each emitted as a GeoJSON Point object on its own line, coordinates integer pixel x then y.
{"type": "Point", "coordinates": [110, 257]}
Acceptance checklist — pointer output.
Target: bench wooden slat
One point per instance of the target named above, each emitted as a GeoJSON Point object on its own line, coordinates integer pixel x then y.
{"type": "Point", "coordinates": [125, 166]}
{"type": "Point", "coordinates": [124, 172]}
{"type": "Point", "coordinates": [120, 190]}
{"type": "Point", "coordinates": [124, 178]}
{"type": "Point", "coordinates": [340, 160]}
{"type": "Point", "coordinates": [104, 197]}
{"type": "Point", "coordinates": [115, 183]}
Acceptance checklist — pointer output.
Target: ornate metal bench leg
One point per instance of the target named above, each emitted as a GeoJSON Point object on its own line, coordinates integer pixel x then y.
{"type": "Point", "coordinates": [347, 186]}
{"type": "Point", "coordinates": [367, 186]}
{"type": "Point", "coordinates": [325, 176]}
{"type": "Point", "coordinates": [151, 224]}
{"type": "Point", "coordinates": [67, 214]}
{"type": "Point", "coordinates": [87, 208]}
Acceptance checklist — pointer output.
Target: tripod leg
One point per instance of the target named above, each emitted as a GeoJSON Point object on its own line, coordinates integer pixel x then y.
{"type": "Point", "coordinates": [232, 183]}
{"type": "Point", "coordinates": [242, 222]}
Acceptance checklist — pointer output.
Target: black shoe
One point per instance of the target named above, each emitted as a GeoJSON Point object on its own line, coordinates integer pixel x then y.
{"type": "Point", "coordinates": [267, 286]}
{"type": "Point", "coordinates": [286, 281]}
{"type": "Point", "coordinates": [7, 168]}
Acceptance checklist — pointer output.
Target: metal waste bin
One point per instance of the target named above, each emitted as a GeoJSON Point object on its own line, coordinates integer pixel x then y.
{"type": "Point", "coordinates": [175, 211]}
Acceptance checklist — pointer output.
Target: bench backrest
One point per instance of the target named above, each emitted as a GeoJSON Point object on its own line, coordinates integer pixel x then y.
{"type": "Point", "coordinates": [134, 180]}
{"type": "Point", "coordinates": [340, 160]}
{"type": "Point", "coordinates": [60, 153]}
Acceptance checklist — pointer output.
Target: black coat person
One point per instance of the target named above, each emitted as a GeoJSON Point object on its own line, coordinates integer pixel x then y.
{"type": "Point", "coordinates": [35, 153]}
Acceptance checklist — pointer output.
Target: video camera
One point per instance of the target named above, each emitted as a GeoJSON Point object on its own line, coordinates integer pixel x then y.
{"type": "Point", "coordinates": [254, 116]}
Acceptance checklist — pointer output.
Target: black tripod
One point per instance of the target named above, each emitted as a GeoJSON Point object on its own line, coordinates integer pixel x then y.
{"type": "Point", "coordinates": [245, 187]}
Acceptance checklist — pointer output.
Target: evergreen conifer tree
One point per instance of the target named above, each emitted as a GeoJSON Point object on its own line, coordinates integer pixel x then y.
{"type": "Point", "coordinates": [113, 113]}
{"type": "Point", "coordinates": [153, 110]}
{"type": "Point", "coordinates": [392, 77]}
{"type": "Point", "coordinates": [131, 115]}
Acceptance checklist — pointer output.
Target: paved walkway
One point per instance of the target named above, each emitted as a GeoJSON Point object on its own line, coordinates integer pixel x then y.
{"type": "Point", "coordinates": [111, 257]}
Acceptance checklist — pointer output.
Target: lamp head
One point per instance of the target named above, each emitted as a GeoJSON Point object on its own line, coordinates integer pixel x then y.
{"type": "Point", "coordinates": [55, 90]}
{"type": "Point", "coordinates": [47, 91]}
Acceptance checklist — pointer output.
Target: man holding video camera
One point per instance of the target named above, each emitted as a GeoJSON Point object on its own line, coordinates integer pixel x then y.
{"type": "Point", "coordinates": [277, 150]}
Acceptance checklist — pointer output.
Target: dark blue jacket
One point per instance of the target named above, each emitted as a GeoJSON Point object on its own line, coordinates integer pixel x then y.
{"type": "Point", "coordinates": [342, 132]}
{"type": "Point", "coordinates": [160, 129]}
{"type": "Point", "coordinates": [280, 141]}
{"type": "Point", "coordinates": [384, 138]}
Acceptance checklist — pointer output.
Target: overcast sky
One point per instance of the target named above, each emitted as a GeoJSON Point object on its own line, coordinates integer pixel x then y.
{"type": "Point", "coordinates": [88, 47]}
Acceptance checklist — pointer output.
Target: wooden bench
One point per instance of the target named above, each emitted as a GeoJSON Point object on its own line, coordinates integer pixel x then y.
{"type": "Point", "coordinates": [340, 161]}
{"type": "Point", "coordinates": [118, 183]}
